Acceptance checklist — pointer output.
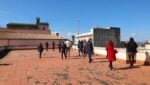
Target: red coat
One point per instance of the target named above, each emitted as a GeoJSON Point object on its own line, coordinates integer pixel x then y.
{"type": "Point", "coordinates": [111, 52]}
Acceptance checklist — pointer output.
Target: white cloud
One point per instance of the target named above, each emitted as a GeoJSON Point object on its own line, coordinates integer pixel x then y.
{"type": "Point", "coordinates": [70, 34]}
{"type": "Point", "coordinates": [133, 34]}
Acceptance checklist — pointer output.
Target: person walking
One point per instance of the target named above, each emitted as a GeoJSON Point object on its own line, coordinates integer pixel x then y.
{"type": "Point", "coordinates": [90, 49]}
{"type": "Point", "coordinates": [63, 50]}
{"type": "Point", "coordinates": [59, 47]}
{"type": "Point", "coordinates": [85, 48]}
{"type": "Point", "coordinates": [68, 44]}
{"type": "Point", "coordinates": [131, 51]}
{"type": "Point", "coordinates": [111, 53]}
{"type": "Point", "coordinates": [40, 50]}
{"type": "Point", "coordinates": [80, 47]}
{"type": "Point", "coordinates": [46, 46]}
{"type": "Point", "coordinates": [53, 45]}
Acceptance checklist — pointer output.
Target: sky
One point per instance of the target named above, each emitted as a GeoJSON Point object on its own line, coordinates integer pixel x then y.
{"type": "Point", "coordinates": [66, 16]}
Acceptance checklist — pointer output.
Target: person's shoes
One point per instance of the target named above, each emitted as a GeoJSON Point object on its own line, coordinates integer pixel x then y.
{"type": "Point", "coordinates": [111, 68]}
{"type": "Point", "coordinates": [131, 65]}
{"type": "Point", "coordinates": [90, 61]}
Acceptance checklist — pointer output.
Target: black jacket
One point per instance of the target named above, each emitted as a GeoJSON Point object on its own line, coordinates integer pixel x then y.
{"type": "Point", "coordinates": [131, 47]}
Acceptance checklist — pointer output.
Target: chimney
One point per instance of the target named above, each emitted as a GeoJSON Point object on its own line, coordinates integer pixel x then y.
{"type": "Point", "coordinates": [37, 20]}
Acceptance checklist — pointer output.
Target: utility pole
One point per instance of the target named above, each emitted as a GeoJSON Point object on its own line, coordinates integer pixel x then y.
{"type": "Point", "coordinates": [78, 28]}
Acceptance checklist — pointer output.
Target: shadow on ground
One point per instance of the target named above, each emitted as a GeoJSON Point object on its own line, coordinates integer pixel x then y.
{"type": "Point", "coordinates": [126, 68]}
{"type": "Point", "coordinates": [4, 52]}
{"type": "Point", "coordinates": [5, 64]}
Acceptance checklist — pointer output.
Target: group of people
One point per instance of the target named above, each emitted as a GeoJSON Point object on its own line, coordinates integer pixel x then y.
{"type": "Point", "coordinates": [40, 48]}
{"type": "Point", "coordinates": [86, 48]}
{"type": "Point", "coordinates": [131, 50]}
{"type": "Point", "coordinates": [64, 48]}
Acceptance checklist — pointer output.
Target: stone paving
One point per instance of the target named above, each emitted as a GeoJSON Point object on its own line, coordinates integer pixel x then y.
{"type": "Point", "coordinates": [24, 67]}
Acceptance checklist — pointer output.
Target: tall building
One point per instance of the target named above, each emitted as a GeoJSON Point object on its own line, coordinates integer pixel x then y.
{"type": "Point", "coordinates": [100, 36]}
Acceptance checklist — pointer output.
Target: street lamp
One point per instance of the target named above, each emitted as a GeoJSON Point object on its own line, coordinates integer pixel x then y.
{"type": "Point", "coordinates": [78, 28]}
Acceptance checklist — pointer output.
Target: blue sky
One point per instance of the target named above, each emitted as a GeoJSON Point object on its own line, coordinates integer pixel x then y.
{"type": "Point", "coordinates": [132, 16]}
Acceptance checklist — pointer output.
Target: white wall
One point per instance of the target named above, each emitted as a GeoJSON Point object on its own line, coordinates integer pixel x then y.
{"type": "Point", "coordinates": [140, 56]}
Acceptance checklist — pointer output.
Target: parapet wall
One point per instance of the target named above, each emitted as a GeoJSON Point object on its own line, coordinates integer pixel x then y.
{"type": "Point", "coordinates": [25, 31]}
{"type": "Point", "coordinates": [26, 44]}
{"type": "Point", "coordinates": [142, 56]}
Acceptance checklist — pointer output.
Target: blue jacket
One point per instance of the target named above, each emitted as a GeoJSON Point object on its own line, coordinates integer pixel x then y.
{"type": "Point", "coordinates": [90, 47]}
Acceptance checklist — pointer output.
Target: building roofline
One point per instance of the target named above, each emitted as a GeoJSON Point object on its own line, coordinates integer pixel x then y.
{"type": "Point", "coordinates": [84, 34]}
{"type": "Point", "coordinates": [21, 24]}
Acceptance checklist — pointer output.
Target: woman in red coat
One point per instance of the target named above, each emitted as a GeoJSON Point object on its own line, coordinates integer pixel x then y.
{"type": "Point", "coordinates": [111, 53]}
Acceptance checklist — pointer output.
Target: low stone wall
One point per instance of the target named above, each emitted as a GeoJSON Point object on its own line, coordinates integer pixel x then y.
{"type": "Point", "coordinates": [142, 56]}
{"type": "Point", "coordinates": [27, 42]}
{"type": "Point", "coordinates": [25, 31]}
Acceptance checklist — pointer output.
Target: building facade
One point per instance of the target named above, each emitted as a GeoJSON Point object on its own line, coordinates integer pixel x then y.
{"type": "Point", "coordinates": [27, 26]}
{"type": "Point", "coordinates": [100, 36]}
{"type": "Point", "coordinates": [21, 35]}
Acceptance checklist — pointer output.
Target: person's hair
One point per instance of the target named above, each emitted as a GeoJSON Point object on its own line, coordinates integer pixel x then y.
{"type": "Point", "coordinates": [131, 39]}
{"type": "Point", "coordinates": [110, 42]}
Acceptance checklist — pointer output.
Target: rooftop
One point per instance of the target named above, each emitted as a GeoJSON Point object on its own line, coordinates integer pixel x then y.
{"type": "Point", "coordinates": [23, 67]}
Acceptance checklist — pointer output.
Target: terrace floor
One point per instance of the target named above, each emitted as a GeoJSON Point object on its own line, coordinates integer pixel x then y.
{"type": "Point", "coordinates": [24, 67]}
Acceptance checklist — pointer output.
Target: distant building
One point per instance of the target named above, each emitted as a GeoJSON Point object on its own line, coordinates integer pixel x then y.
{"type": "Point", "coordinates": [22, 35]}
{"type": "Point", "coordinates": [147, 45]}
{"type": "Point", "coordinates": [100, 36]}
{"type": "Point", "coordinates": [123, 44]}
{"type": "Point", "coordinates": [26, 26]}
{"type": "Point", "coordinates": [55, 33]}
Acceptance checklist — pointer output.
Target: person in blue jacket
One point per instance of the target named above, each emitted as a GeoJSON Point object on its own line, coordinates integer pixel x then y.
{"type": "Point", "coordinates": [90, 49]}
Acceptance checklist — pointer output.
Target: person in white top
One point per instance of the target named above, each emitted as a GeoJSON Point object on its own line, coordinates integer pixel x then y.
{"type": "Point", "coordinates": [68, 44]}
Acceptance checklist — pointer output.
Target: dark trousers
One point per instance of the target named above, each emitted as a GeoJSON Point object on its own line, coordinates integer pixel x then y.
{"type": "Point", "coordinates": [110, 65]}
{"type": "Point", "coordinates": [63, 53]}
{"type": "Point", "coordinates": [40, 54]}
{"type": "Point", "coordinates": [80, 50]}
{"type": "Point", "coordinates": [53, 48]}
{"type": "Point", "coordinates": [85, 52]}
{"type": "Point", "coordinates": [131, 60]}
{"type": "Point", "coordinates": [89, 56]}
{"type": "Point", "coordinates": [68, 51]}
{"type": "Point", "coordinates": [59, 50]}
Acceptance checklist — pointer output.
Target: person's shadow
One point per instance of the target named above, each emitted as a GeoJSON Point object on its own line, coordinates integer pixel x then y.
{"type": "Point", "coordinates": [147, 60]}
{"type": "Point", "coordinates": [4, 52]}
{"type": "Point", "coordinates": [126, 68]}
{"type": "Point", "coordinates": [5, 64]}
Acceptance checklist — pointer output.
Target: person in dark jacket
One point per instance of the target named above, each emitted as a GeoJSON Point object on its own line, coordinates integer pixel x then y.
{"type": "Point", "coordinates": [46, 46]}
{"type": "Point", "coordinates": [111, 53]}
{"type": "Point", "coordinates": [131, 51]}
{"type": "Point", "coordinates": [63, 50]}
{"type": "Point", "coordinates": [40, 49]}
{"type": "Point", "coordinates": [90, 49]}
{"type": "Point", "coordinates": [85, 48]}
{"type": "Point", "coordinates": [53, 45]}
{"type": "Point", "coordinates": [59, 47]}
